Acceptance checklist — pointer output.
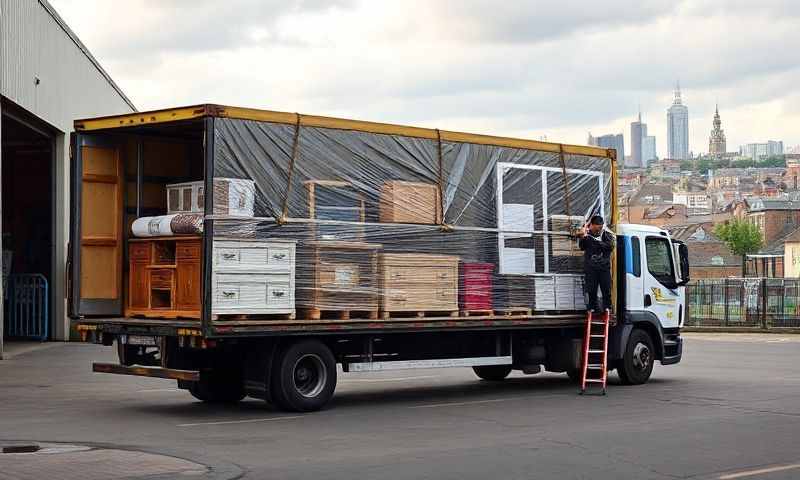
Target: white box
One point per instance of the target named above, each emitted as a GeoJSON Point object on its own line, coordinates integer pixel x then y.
{"type": "Point", "coordinates": [232, 196]}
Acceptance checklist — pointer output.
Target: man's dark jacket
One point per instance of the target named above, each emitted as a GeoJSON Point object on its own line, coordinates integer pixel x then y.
{"type": "Point", "coordinates": [597, 250]}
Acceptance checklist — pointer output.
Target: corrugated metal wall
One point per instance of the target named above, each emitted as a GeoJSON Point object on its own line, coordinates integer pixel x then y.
{"type": "Point", "coordinates": [33, 44]}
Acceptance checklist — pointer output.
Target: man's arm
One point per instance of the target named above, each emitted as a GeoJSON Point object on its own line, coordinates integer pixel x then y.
{"type": "Point", "coordinates": [608, 242]}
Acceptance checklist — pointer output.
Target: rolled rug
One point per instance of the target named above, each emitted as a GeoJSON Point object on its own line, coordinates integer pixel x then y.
{"type": "Point", "coordinates": [167, 225]}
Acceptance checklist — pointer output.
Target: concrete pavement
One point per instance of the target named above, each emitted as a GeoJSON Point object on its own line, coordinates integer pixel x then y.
{"type": "Point", "coordinates": [730, 410]}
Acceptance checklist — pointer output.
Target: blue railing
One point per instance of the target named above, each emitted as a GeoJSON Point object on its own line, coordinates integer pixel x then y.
{"type": "Point", "coordinates": [28, 302]}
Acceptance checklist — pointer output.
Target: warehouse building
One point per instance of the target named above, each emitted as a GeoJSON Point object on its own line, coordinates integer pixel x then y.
{"type": "Point", "coordinates": [48, 78]}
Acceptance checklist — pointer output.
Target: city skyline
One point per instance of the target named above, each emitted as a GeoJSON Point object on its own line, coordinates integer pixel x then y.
{"type": "Point", "coordinates": [678, 128]}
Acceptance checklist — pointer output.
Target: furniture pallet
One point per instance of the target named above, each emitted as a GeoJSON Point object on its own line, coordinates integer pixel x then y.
{"type": "Point", "coordinates": [472, 313]}
{"type": "Point", "coordinates": [512, 312]}
{"type": "Point", "coordinates": [388, 315]}
{"type": "Point", "coordinates": [329, 314]}
{"type": "Point", "coordinates": [259, 316]}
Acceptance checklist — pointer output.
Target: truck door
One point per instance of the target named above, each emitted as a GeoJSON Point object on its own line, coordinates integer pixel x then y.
{"type": "Point", "coordinates": [662, 295]}
{"type": "Point", "coordinates": [96, 242]}
{"type": "Point", "coordinates": [634, 283]}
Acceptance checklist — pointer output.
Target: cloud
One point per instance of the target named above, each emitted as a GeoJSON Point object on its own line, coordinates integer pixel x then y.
{"type": "Point", "coordinates": [513, 67]}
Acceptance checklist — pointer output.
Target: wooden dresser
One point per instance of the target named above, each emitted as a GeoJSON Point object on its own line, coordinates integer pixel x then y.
{"type": "Point", "coordinates": [410, 202]}
{"type": "Point", "coordinates": [253, 277]}
{"type": "Point", "coordinates": [414, 282]}
{"type": "Point", "coordinates": [164, 277]}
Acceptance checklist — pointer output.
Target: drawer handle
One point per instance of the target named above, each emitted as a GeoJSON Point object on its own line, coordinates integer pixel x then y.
{"type": "Point", "coordinates": [228, 256]}
{"type": "Point", "coordinates": [228, 294]}
{"type": "Point", "coordinates": [278, 293]}
{"type": "Point", "coordinates": [443, 276]}
{"type": "Point", "coordinates": [279, 256]}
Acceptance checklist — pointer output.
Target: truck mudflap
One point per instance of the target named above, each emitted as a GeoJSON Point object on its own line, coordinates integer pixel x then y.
{"type": "Point", "coordinates": [140, 371]}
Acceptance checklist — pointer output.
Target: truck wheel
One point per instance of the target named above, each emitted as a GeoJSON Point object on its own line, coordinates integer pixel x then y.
{"type": "Point", "coordinates": [218, 387]}
{"type": "Point", "coordinates": [637, 364]}
{"type": "Point", "coordinates": [304, 377]}
{"type": "Point", "coordinates": [492, 373]}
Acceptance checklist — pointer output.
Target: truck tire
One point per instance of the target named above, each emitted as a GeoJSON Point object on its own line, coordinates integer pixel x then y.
{"type": "Point", "coordinates": [218, 387]}
{"type": "Point", "coordinates": [492, 373]}
{"type": "Point", "coordinates": [637, 364]}
{"type": "Point", "coordinates": [304, 376]}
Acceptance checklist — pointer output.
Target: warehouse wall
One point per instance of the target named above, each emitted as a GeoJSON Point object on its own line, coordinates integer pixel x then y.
{"type": "Point", "coordinates": [35, 43]}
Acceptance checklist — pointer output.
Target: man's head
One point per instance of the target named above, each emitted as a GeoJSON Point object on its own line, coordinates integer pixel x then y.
{"type": "Point", "coordinates": [596, 225]}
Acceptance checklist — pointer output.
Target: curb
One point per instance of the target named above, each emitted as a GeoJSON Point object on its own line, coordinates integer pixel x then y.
{"type": "Point", "coordinates": [773, 330]}
{"type": "Point", "coordinates": [216, 470]}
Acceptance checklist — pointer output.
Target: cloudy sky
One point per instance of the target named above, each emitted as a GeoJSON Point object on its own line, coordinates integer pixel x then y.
{"type": "Point", "coordinates": [532, 69]}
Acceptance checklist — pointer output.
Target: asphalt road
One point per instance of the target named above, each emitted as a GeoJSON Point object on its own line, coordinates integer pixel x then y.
{"type": "Point", "coordinates": [730, 410]}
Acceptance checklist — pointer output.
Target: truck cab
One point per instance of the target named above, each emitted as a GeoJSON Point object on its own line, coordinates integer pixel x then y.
{"type": "Point", "coordinates": [652, 271]}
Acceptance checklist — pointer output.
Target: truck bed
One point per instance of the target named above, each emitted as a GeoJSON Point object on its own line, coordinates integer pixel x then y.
{"type": "Point", "coordinates": [223, 328]}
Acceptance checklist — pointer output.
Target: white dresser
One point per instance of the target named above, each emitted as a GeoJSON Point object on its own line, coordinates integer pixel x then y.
{"type": "Point", "coordinates": [253, 276]}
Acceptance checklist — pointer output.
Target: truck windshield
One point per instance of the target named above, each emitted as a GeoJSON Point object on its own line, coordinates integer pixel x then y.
{"type": "Point", "coordinates": [659, 260]}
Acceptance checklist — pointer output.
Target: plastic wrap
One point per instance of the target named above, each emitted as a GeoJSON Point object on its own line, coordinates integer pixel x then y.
{"type": "Point", "coordinates": [353, 224]}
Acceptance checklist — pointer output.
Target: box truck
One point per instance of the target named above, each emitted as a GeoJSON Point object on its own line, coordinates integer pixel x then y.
{"type": "Point", "coordinates": [251, 252]}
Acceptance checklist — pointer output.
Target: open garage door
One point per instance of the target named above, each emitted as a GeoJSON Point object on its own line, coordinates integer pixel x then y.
{"type": "Point", "coordinates": [96, 227]}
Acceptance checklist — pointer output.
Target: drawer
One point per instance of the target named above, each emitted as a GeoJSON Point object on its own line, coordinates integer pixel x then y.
{"type": "Point", "coordinates": [279, 295]}
{"type": "Point", "coordinates": [139, 251]}
{"type": "Point", "coordinates": [187, 250]}
{"type": "Point", "coordinates": [252, 291]}
{"type": "Point", "coordinates": [421, 298]}
{"type": "Point", "coordinates": [279, 256]}
{"type": "Point", "coordinates": [252, 254]}
{"type": "Point", "coordinates": [161, 279]}
{"type": "Point", "coordinates": [394, 275]}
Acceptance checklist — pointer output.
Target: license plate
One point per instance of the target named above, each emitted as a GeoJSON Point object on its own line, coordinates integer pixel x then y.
{"type": "Point", "coordinates": [141, 340]}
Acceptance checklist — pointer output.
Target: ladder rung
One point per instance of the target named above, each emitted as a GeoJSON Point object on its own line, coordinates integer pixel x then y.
{"type": "Point", "coordinates": [597, 351]}
{"type": "Point", "coordinates": [594, 380]}
{"type": "Point", "coordinates": [596, 366]}
{"type": "Point", "coordinates": [597, 336]}
{"type": "Point", "coordinates": [598, 323]}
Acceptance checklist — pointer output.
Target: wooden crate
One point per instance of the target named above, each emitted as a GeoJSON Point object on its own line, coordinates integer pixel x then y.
{"type": "Point", "coordinates": [414, 282]}
{"type": "Point", "coordinates": [410, 202]}
{"type": "Point", "coordinates": [338, 276]}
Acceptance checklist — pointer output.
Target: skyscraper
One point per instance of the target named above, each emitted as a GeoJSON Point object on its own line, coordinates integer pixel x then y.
{"type": "Point", "coordinates": [638, 130]}
{"type": "Point", "coordinates": [678, 128]}
{"type": "Point", "coordinates": [648, 148]}
{"type": "Point", "coordinates": [716, 141]}
{"type": "Point", "coordinates": [616, 142]}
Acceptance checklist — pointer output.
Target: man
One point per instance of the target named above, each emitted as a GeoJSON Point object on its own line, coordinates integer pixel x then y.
{"type": "Point", "coordinates": [597, 244]}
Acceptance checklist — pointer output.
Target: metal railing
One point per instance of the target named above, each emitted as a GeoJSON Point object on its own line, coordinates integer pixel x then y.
{"type": "Point", "coordinates": [28, 301]}
{"type": "Point", "coordinates": [744, 302]}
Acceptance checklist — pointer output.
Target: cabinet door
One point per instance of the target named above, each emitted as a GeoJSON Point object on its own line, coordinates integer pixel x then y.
{"type": "Point", "coordinates": [138, 288]}
{"type": "Point", "coordinates": [187, 285]}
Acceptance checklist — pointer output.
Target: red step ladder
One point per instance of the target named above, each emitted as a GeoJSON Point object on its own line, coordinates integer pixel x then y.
{"type": "Point", "coordinates": [595, 352]}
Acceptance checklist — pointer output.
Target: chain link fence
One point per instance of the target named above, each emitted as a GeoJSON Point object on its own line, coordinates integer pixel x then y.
{"type": "Point", "coordinates": [744, 302]}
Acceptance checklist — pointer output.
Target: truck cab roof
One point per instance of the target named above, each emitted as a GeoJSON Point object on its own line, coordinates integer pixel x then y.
{"type": "Point", "coordinates": [631, 228]}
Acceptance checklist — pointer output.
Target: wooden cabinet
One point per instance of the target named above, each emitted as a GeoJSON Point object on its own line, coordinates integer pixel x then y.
{"type": "Point", "coordinates": [164, 277]}
{"type": "Point", "coordinates": [410, 202]}
{"type": "Point", "coordinates": [413, 282]}
{"type": "Point", "coordinates": [340, 277]}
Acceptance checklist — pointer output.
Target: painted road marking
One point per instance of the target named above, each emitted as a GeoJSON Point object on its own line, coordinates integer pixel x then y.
{"type": "Point", "coordinates": [760, 471]}
{"type": "Point", "coordinates": [397, 379]}
{"type": "Point", "coordinates": [458, 404]}
{"type": "Point", "coordinates": [156, 390]}
{"type": "Point", "coordinates": [233, 422]}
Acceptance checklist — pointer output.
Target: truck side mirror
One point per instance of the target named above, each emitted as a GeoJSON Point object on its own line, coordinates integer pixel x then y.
{"type": "Point", "coordinates": [683, 257]}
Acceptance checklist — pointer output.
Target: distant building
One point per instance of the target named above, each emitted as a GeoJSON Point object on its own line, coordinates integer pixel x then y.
{"type": "Point", "coordinates": [693, 195]}
{"type": "Point", "coordinates": [638, 131]}
{"type": "Point", "coordinates": [666, 167]}
{"type": "Point", "coordinates": [617, 142]}
{"type": "Point", "coordinates": [716, 141]}
{"type": "Point", "coordinates": [709, 257]}
{"type": "Point", "coordinates": [648, 149]}
{"type": "Point", "coordinates": [761, 150]}
{"type": "Point", "coordinates": [774, 217]}
{"type": "Point", "coordinates": [678, 128]}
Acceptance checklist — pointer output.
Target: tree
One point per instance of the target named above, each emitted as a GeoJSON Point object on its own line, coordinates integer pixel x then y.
{"type": "Point", "coordinates": [741, 236]}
